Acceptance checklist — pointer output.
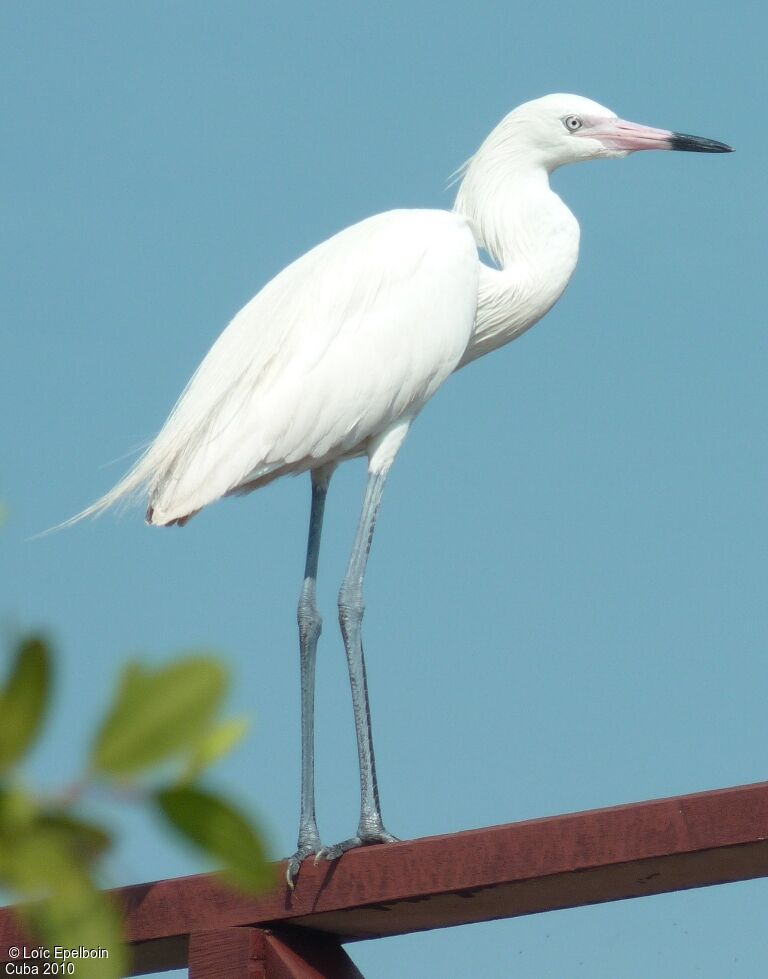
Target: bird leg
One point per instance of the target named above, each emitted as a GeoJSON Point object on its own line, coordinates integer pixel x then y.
{"type": "Point", "coordinates": [351, 607]}
{"type": "Point", "coordinates": [310, 627]}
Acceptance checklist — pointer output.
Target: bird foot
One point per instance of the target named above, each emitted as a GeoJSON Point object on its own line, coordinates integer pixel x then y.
{"type": "Point", "coordinates": [368, 838]}
{"type": "Point", "coordinates": [294, 863]}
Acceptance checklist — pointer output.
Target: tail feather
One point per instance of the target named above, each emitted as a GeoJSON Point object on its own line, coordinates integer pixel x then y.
{"type": "Point", "coordinates": [129, 490]}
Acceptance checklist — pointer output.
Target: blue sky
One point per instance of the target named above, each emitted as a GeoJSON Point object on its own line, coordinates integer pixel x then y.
{"type": "Point", "coordinates": [565, 602]}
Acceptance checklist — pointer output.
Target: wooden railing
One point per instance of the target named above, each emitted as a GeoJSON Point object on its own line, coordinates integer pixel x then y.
{"type": "Point", "coordinates": [438, 882]}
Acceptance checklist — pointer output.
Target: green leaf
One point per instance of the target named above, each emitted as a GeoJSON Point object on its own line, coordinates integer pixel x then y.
{"type": "Point", "coordinates": [72, 918]}
{"type": "Point", "coordinates": [157, 714]}
{"type": "Point", "coordinates": [67, 908]}
{"type": "Point", "coordinates": [216, 743]}
{"type": "Point", "coordinates": [24, 699]}
{"type": "Point", "coordinates": [18, 812]}
{"type": "Point", "coordinates": [85, 841]}
{"type": "Point", "coordinates": [221, 831]}
{"type": "Point", "coordinates": [18, 809]}
{"type": "Point", "coordinates": [36, 862]}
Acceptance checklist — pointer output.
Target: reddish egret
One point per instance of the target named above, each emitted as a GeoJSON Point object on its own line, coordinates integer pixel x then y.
{"type": "Point", "coordinates": [338, 354]}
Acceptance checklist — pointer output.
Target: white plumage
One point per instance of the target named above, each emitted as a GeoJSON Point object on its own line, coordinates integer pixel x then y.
{"type": "Point", "coordinates": [356, 335]}
{"type": "Point", "coordinates": [335, 350]}
{"type": "Point", "coordinates": [338, 353]}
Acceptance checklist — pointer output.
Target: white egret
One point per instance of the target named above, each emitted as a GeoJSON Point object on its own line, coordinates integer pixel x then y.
{"type": "Point", "coordinates": [336, 356]}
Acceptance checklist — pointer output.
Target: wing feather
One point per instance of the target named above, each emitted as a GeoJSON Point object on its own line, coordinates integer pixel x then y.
{"type": "Point", "coordinates": [347, 339]}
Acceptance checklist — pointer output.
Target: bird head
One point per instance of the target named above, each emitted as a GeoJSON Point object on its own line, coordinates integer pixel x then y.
{"type": "Point", "coordinates": [558, 129]}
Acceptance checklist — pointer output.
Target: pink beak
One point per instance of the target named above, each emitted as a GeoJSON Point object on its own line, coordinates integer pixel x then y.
{"type": "Point", "coordinates": [617, 134]}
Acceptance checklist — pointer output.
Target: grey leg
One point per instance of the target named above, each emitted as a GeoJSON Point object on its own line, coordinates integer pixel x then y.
{"type": "Point", "coordinates": [351, 607]}
{"type": "Point", "coordinates": [310, 626]}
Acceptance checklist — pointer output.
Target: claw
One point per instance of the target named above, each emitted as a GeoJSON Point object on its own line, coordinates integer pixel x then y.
{"type": "Point", "coordinates": [368, 839]}
{"type": "Point", "coordinates": [292, 872]}
{"type": "Point", "coordinates": [294, 863]}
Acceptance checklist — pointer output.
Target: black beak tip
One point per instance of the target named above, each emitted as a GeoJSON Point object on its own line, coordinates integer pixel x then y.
{"type": "Point", "coordinates": [698, 144]}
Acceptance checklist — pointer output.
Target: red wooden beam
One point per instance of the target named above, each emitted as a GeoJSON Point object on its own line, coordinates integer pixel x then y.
{"type": "Point", "coordinates": [253, 953]}
{"type": "Point", "coordinates": [500, 872]}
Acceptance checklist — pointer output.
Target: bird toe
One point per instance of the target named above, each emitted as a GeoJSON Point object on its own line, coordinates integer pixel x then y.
{"type": "Point", "coordinates": [369, 838]}
{"type": "Point", "coordinates": [294, 862]}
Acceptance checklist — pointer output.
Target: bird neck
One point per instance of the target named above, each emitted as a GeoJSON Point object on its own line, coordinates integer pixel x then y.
{"type": "Point", "coordinates": [517, 217]}
{"type": "Point", "coordinates": [532, 237]}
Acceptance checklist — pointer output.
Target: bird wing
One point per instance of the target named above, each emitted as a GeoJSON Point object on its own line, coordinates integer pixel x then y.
{"type": "Point", "coordinates": [355, 334]}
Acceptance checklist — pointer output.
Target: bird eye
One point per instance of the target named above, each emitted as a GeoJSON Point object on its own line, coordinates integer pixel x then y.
{"type": "Point", "coordinates": [572, 123]}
